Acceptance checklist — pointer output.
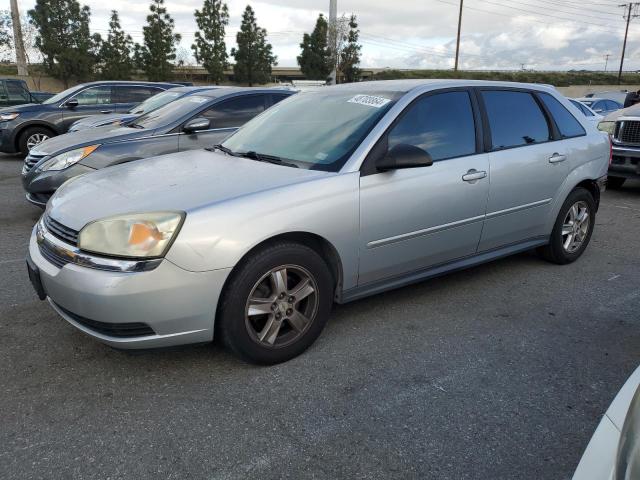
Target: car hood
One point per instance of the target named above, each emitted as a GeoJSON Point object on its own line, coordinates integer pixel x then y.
{"type": "Point", "coordinates": [103, 119]}
{"type": "Point", "coordinates": [632, 111]}
{"type": "Point", "coordinates": [177, 182]}
{"type": "Point", "coordinates": [25, 107]}
{"type": "Point", "coordinates": [91, 136]}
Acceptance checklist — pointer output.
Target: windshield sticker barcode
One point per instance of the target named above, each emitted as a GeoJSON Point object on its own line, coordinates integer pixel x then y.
{"type": "Point", "coordinates": [369, 100]}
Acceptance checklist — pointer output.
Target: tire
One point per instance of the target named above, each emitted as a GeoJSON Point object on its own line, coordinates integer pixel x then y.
{"type": "Point", "coordinates": [614, 183]}
{"type": "Point", "coordinates": [561, 249]}
{"type": "Point", "coordinates": [271, 328]}
{"type": "Point", "coordinates": [32, 134]}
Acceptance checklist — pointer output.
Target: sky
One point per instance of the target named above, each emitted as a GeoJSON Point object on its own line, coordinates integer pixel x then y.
{"type": "Point", "coordinates": [496, 34]}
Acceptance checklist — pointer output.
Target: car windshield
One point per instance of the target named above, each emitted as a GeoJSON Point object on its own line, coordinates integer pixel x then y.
{"type": "Point", "coordinates": [157, 101]}
{"type": "Point", "coordinates": [170, 111]}
{"type": "Point", "coordinates": [62, 95]}
{"type": "Point", "coordinates": [317, 130]}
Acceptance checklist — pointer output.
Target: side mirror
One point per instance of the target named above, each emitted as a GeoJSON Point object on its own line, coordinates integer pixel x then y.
{"type": "Point", "coordinates": [404, 156]}
{"type": "Point", "coordinates": [196, 124]}
{"type": "Point", "coordinates": [72, 103]}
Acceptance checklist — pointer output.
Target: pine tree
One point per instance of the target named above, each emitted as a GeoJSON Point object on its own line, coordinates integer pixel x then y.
{"type": "Point", "coordinates": [116, 52]}
{"type": "Point", "coordinates": [63, 38]}
{"type": "Point", "coordinates": [315, 59]}
{"type": "Point", "coordinates": [159, 48]}
{"type": "Point", "coordinates": [350, 54]}
{"type": "Point", "coordinates": [209, 47]}
{"type": "Point", "coordinates": [254, 57]}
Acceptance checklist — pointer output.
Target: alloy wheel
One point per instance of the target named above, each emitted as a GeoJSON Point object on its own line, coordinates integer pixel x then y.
{"type": "Point", "coordinates": [281, 306]}
{"type": "Point", "coordinates": [575, 227]}
{"type": "Point", "coordinates": [35, 139]}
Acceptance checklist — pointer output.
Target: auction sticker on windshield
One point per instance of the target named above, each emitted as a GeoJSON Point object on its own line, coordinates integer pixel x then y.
{"type": "Point", "coordinates": [369, 100]}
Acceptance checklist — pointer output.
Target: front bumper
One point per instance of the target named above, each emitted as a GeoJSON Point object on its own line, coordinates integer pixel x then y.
{"type": "Point", "coordinates": [625, 162]}
{"type": "Point", "coordinates": [179, 306]}
{"type": "Point", "coordinates": [7, 139]}
{"type": "Point", "coordinates": [40, 186]}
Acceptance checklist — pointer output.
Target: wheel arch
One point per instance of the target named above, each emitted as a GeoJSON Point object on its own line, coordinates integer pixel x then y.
{"type": "Point", "coordinates": [592, 187]}
{"type": "Point", "coordinates": [20, 130]}
{"type": "Point", "coordinates": [319, 244]}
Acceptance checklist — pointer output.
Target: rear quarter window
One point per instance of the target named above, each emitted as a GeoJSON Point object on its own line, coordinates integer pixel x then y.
{"type": "Point", "coordinates": [567, 123]}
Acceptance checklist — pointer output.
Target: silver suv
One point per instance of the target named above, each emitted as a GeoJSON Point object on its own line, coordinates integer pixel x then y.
{"type": "Point", "coordinates": [331, 195]}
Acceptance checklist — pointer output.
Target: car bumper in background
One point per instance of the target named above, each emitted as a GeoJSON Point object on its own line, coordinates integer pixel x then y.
{"type": "Point", "coordinates": [625, 162]}
{"type": "Point", "coordinates": [7, 141]}
{"type": "Point", "coordinates": [40, 186]}
{"type": "Point", "coordinates": [162, 307]}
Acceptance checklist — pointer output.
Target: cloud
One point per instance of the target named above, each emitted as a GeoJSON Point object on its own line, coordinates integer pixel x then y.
{"type": "Point", "coordinates": [411, 34]}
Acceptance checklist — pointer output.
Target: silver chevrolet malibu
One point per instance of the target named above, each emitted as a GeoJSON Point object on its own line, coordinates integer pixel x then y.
{"type": "Point", "coordinates": [329, 196]}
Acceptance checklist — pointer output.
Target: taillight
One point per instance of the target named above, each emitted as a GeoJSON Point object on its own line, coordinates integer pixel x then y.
{"type": "Point", "coordinates": [610, 150]}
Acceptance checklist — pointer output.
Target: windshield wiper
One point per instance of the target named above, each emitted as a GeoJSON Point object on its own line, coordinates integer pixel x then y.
{"type": "Point", "coordinates": [261, 157]}
{"type": "Point", "coordinates": [222, 148]}
{"type": "Point", "coordinates": [135, 125]}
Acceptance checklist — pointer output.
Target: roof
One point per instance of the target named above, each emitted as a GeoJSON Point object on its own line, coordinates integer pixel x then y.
{"type": "Point", "coordinates": [405, 86]}
{"type": "Point", "coordinates": [225, 91]}
{"type": "Point", "coordinates": [129, 82]}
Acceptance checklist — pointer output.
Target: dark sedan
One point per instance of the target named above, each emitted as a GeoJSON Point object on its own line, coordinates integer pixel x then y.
{"type": "Point", "coordinates": [24, 126]}
{"type": "Point", "coordinates": [195, 121]}
{"type": "Point", "coordinates": [150, 104]}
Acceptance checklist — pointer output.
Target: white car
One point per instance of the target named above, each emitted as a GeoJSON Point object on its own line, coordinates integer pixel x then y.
{"type": "Point", "coordinates": [614, 450]}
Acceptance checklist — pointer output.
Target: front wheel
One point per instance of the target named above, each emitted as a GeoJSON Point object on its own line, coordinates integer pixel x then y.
{"type": "Point", "coordinates": [573, 228]}
{"type": "Point", "coordinates": [31, 137]}
{"type": "Point", "coordinates": [276, 303]}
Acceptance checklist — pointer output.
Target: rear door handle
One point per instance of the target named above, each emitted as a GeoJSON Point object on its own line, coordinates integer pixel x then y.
{"type": "Point", "coordinates": [473, 175]}
{"type": "Point", "coordinates": [106, 111]}
{"type": "Point", "coordinates": [557, 158]}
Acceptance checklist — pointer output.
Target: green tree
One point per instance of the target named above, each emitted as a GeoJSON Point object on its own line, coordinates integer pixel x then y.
{"type": "Point", "coordinates": [350, 53]}
{"type": "Point", "coordinates": [116, 51]}
{"type": "Point", "coordinates": [5, 29]}
{"type": "Point", "coordinates": [315, 59]}
{"type": "Point", "coordinates": [159, 49]}
{"type": "Point", "coordinates": [254, 56]}
{"type": "Point", "coordinates": [63, 38]}
{"type": "Point", "coordinates": [209, 47]}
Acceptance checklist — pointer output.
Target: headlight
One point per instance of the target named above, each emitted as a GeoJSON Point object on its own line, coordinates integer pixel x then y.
{"type": "Point", "coordinates": [66, 159]}
{"type": "Point", "coordinates": [609, 127]}
{"type": "Point", "coordinates": [4, 117]}
{"type": "Point", "coordinates": [138, 235]}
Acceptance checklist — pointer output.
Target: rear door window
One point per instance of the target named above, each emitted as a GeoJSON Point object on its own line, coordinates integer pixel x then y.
{"type": "Point", "coordinates": [235, 112]}
{"type": "Point", "coordinates": [515, 119]}
{"type": "Point", "coordinates": [567, 124]}
{"type": "Point", "coordinates": [134, 93]}
{"type": "Point", "coordinates": [441, 125]}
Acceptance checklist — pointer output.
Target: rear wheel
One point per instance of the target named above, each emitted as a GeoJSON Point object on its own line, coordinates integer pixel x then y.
{"type": "Point", "coordinates": [615, 183]}
{"type": "Point", "coordinates": [573, 228]}
{"type": "Point", "coordinates": [31, 137]}
{"type": "Point", "coordinates": [276, 303]}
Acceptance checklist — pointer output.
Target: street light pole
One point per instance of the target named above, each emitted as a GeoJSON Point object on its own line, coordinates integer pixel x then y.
{"type": "Point", "coordinates": [21, 59]}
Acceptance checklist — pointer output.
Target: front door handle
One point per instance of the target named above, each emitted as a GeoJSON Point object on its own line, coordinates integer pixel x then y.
{"type": "Point", "coordinates": [106, 111]}
{"type": "Point", "coordinates": [473, 175]}
{"type": "Point", "coordinates": [557, 158]}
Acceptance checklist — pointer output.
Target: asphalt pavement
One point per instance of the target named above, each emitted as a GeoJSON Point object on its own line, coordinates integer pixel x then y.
{"type": "Point", "coordinates": [498, 372]}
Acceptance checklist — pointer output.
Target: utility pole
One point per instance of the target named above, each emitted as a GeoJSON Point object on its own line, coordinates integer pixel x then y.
{"type": "Point", "coordinates": [333, 37]}
{"type": "Point", "coordinates": [21, 59]}
{"type": "Point", "coordinates": [455, 67]}
{"type": "Point", "coordinates": [606, 61]}
{"type": "Point", "coordinates": [628, 16]}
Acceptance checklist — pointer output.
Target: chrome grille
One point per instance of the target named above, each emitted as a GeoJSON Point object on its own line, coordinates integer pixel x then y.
{"type": "Point", "coordinates": [31, 160]}
{"type": "Point", "coordinates": [629, 131]}
{"type": "Point", "coordinates": [52, 256]}
{"type": "Point", "coordinates": [58, 230]}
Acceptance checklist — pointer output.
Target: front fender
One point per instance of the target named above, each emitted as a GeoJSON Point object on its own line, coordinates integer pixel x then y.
{"type": "Point", "coordinates": [219, 235]}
